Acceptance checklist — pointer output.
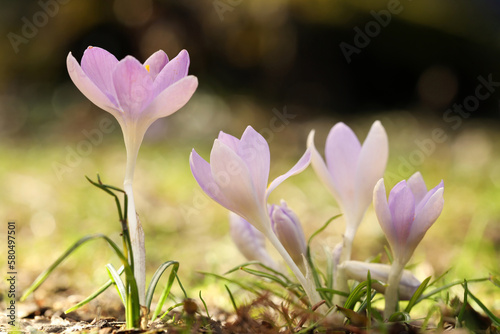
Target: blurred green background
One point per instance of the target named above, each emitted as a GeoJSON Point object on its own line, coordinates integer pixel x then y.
{"type": "Point", "coordinates": [421, 67]}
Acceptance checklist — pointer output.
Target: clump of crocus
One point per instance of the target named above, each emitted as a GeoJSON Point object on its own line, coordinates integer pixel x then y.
{"type": "Point", "coordinates": [287, 227]}
{"type": "Point", "coordinates": [350, 173]}
{"type": "Point", "coordinates": [405, 218]}
{"type": "Point", "coordinates": [237, 178]}
{"type": "Point", "coordinates": [250, 242]}
{"type": "Point", "coordinates": [136, 95]}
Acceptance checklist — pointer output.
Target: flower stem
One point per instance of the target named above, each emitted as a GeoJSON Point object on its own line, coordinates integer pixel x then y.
{"type": "Point", "coordinates": [340, 282]}
{"type": "Point", "coordinates": [308, 285]}
{"type": "Point", "coordinates": [391, 292]}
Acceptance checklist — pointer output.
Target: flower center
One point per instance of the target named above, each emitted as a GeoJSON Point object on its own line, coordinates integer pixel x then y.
{"type": "Point", "coordinates": [147, 67]}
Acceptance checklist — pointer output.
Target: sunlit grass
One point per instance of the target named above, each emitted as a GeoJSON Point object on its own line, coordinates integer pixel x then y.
{"type": "Point", "coordinates": [53, 210]}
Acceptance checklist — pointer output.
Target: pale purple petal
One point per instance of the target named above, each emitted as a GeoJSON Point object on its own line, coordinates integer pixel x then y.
{"type": "Point", "coordinates": [320, 168]}
{"type": "Point", "coordinates": [156, 63]}
{"type": "Point", "coordinates": [342, 150]}
{"type": "Point", "coordinates": [88, 88]}
{"type": "Point", "coordinates": [172, 99]}
{"type": "Point", "coordinates": [203, 175]}
{"type": "Point", "coordinates": [254, 151]}
{"type": "Point", "coordinates": [249, 241]}
{"type": "Point", "coordinates": [370, 166]}
{"type": "Point", "coordinates": [383, 212]}
{"type": "Point", "coordinates": [302, 164]}
{"type": "Point", "coordinates": [235, 182]}
{"type": "Point", "coordinates": [402, 207]}
{"type": "Point", "coordinates": [427, 196]}
{"type": "Point", "coordinates": [99, 65]}
{"type": "Point", "coordinates": [418, 188]}
{"type": "Point", "coordinates": [133, 86]}
{"type": "Point", "coordinates": [426, 217]}
{"type": "Point", "coordinates": [229, 140]}
{"type": "Point", "coordinates": [175, 70]}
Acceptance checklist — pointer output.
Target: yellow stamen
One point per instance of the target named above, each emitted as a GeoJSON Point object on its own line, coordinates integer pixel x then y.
{"type": "Point", "coordinates": [147, 67]}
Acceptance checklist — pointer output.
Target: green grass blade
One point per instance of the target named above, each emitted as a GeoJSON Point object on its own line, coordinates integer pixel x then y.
{"type": "Point", "coordinates": [204, 305]}
{"type": "Point", "coordinates": [43, 276]}
{"type": "Point", "coordinates": [103, 288]}
{"type": "Point", "coordinates": [495, 319]}
{"type": "Point", "coordinates": [171, 308]}
{"type": "Point", "coordinates": [460, 316]}
{"type": "Point", "coordinates": [266, 275]}
{"type": "Point", "coordinates": [447, 286]}
{"type": "Point", "coordinates": [232, 298]}
{"type": "Point", "coordinates": [414, 299]}
{"type": "Point", "coordinates": [369, 300]}
{"type": "Point", "coordinates": [271, 270]}
{"type": "Point", "coordinates": [333, 291]}
{"type": "Point", "coordinates": [166, 291]}
{"type": "Point", "coordinates": [236, 282]}
{"type": "Point", "coordinates": [120, 287]}
{"type": "Point", "coordinates": [322, 228]}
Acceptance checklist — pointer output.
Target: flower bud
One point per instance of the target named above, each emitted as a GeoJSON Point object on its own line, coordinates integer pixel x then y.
{"type": "Point", "coordinates": [286, 226]}
{"type": "Point", "coordinates": [358, 271]}
{"type": "Point", "coordinates": [250, 242]}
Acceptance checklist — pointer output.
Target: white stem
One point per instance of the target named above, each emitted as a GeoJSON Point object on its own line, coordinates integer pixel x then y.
{"type": "Point", "coordinates": [391, 292]}
{"type": "Point", "coordinates": [308, 285]}
{"type": "Point", "coordinates": [134, 225]}
{"type": "Point", "coordinates": [340, 283]}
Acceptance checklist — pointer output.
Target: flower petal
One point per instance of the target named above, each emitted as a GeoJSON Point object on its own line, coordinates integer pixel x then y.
{"type": "Point", "coordinates": [249, 241]}
{"type": "Point", "coordinates": [156, 63]}
{"type": "Point", "coordinates": [427, 196]}
{"type": "Point", "coordinates": [383, 212]}
{"type": "Point", "coordinates": [133, 85]}
{"type": "Point", "coordinates": [402, 207]}
{"type": "Point", "coordinates": [302, 164]}
{"type": "Point", "coordinates": [426, 217]}
{"type": "Point", "coordinates": [370, 167]}
{"type": "Point", "coordinates": [418, 188]}
{"type": "Point", "coordinates": [99, 65]}
{"type": "Point", "coordinates": [172, 99]}
{"type": "Point", "coordinates": [320, 168]}
{"type": "Point", "coordinates": [341, 153]}
{"type": "Point", "coordinates": [235, 182]}
{"type": "Point", "coordinates": [88, 87]}
{"type": "Point", "coordinates": [229, 140]}
{"type": "Point", "coordinates": [203, 175]}
{"type": "Point", "coordinates": [254, 151]}
{"type": "Point", "coordinates": [175, 70]}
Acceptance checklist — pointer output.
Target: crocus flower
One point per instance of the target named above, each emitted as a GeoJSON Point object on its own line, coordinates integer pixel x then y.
{"type": "Point", "coordinates": [358, 271]}
{"type": "Point", "coordinates": [350, 173]}
{"type": "Point", "coordinates": [136, 95]}
{"type": "Point", "coordinates": [287, 227]}
{"type": "Point", "coordinates": [405, 218]}
{"type": "Point", "coordinates": [351, 169]}
{"type": "Point", "coordinates": [250, 242]}
{"type": "Point", "coordinates": [408, 214]}
{"type": "Point", "coordinates": [237, 178]}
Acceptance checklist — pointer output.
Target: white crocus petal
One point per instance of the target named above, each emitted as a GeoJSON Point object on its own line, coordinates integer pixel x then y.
{"type": "Point", "coordinates": [370, 167]}
{"type": "Point", "coordinates": [358, 271]}
{"type": "Point", "coordinates": [320, 168]}
{"type": "Point", "coordinates": [418, 188]}
{"type": "Point", "coordinates": [302, 164]}
{"type": "Point", "coordinates": [383, 212]}
{"type": "Point", "coordinates": [235, 182]}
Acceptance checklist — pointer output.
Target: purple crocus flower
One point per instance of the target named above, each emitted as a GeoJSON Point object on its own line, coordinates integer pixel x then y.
{"type": "Point", "coordinates": [250, 242]}
{"type": "Point", "coordinates": [409, 213]}
{"type": "Point", "coordinates": [237, 178]}
{"type": "Point", "coordinates": [137, 95]}
{"type": "Point", "coordinates": [287, 227]}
